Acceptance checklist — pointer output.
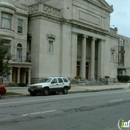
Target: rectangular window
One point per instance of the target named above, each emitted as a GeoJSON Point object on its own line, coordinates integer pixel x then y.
{"type": "Point", "coordinates": [20, 26]}
{"type": "Point", "coordinates": [6, 20]}
{"type": "Point", "coordinates": [50, 46]}
{"type": "Point", "coordinates": [7, 43]}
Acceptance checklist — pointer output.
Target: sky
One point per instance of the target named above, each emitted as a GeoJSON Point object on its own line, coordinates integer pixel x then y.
{"type": "Point", "coordinates": [120, 18]}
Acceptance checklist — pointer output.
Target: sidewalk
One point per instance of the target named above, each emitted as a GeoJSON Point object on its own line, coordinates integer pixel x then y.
{"type": "Point", "coordinates": [75, 88]}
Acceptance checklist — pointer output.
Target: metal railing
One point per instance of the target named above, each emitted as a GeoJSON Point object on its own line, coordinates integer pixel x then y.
{"type": "Point", "coordinates": [21, 59]}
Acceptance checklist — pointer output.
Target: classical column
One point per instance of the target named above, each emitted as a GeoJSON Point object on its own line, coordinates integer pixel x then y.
{"type": "Point", "coordinates": [11, 74]}
{"type": "Point", "coordinates": [100, 57]}
{"type": "Point", "coordinates": [18, 76]}
{"type": "Point", "coordinates": [24, 78]}
{"type": "Point", "coordinates": [93, 58]}
{"type": "Point", "coordinates": [73, 55]}
{"type": "Point", "coordinates": [29, 76]}
{"type": "Point", "coordinates": [83, 58]}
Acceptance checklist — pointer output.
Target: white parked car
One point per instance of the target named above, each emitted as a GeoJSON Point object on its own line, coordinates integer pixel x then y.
{"type": "Point", "coordinates": [50, 85]}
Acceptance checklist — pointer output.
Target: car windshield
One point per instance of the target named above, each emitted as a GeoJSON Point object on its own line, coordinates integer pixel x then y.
{"type": "Point", "coordinates": [46, 80]}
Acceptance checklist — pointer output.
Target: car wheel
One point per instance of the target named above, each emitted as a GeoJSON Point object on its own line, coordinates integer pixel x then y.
{"type": "Point", "coordinates": [0, 95]}
{"type": "Point", "coordinates": [32, 94]}
{"type": "Point", "coordinates": [46, 92]}
{"type": "Point", "coordinates": [65, 90]}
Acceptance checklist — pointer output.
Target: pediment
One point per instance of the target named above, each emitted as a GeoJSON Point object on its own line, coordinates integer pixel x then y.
{"type": "Point", "coordinates": [102, 4]}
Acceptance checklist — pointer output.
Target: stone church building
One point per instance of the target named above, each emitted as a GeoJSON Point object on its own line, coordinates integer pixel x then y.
{"type": "Point", "coordinates": [62, 38]}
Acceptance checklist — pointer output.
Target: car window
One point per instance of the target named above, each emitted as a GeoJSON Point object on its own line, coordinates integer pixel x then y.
{"type": "Point", "coordinates": [65, 80]}
{"type": "Point", "coordinates": [54, 80]}
{"type": "Point", "coordinates": [60, 80]}
{"type": "Point", "coordinates": [46, 80]}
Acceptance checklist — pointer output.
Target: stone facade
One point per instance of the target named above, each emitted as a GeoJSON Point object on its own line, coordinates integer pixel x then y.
{"type": "Point", "coordinates": [17, 40]}
{"type": "Point", "coordinates": [68, 38]}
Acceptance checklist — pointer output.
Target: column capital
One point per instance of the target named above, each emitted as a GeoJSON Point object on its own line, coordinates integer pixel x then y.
{"type": "Point", "coordinates": [94, 38]}
{"type": "Point", "coordinates": [85, 36]}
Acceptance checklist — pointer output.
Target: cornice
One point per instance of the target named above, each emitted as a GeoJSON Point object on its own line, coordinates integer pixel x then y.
{"type": "Point", "coordinates": [39, 14]}
{"type": "Point", "coordinates": [107, 7]}
{"type": "Point", "coordinates": [73, 23]}
{"type": "Point", "coordinates": [8, 5]}
{"type": "Point", "coordinates": [21, 14]}
{"type": "Point", "coordinates": [90, 28]}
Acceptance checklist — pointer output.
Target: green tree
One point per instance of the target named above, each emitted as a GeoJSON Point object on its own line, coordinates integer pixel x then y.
{"type": "Point", "coordinates": [5, 56]}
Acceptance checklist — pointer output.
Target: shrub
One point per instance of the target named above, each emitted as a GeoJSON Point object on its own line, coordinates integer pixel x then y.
{"type": "Point", "coordinates": [107, 77]}
{"type": "Point", "coordinates": [123, 78]}
{"type": "Point", "coordinates": [11, 85]}
{"type": "Point", "coordinates": [126, 78]}
{"type": "Point", "coordinates": [78, 77]}
{"type": "Point", "coordinates": [22, 84]}
{"type": "Point", "coordinates": [119, 77]}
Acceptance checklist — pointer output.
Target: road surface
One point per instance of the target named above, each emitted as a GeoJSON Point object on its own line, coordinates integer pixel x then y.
{"type": "Point", "coordinates": [80, 111]}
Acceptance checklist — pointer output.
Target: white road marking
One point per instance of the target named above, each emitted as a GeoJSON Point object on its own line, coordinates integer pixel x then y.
{"type": "Point", "coordinates": [116, 100]}
{"type": "Point", "coordinates": [36, 113]}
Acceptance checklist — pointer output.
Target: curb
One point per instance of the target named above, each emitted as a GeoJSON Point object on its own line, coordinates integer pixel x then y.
{"type": "Point", "coordinates": [85, 91]}
{"type": "Point", "coordinates": [100, 90]}
{"type": "Point", "coordinates": [12, 88]}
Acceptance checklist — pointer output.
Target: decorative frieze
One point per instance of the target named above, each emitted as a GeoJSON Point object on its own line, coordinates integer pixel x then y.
{"type": "Point", "coordinates": [46, 9]}
{"type": "Point", "coordinates": [33, 8]}
{"type": "Point", "coordinates": [51, 10]}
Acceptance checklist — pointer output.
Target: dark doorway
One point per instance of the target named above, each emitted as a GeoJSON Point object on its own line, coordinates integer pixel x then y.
{"type": "Point", "coordinates": [78, 69]}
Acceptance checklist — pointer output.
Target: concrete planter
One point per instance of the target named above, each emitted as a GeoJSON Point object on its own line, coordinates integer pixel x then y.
{"type": "Point", "coordinates": [109, 81]}
{"type": "Point", "coordinates": [80, 82]}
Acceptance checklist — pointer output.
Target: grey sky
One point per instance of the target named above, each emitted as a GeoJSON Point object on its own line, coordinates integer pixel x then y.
{"type": "Point", "coordinates": [120, 18]}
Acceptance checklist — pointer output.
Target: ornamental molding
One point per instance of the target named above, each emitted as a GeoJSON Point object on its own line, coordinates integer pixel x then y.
{"type": "Point", "coordinates": [113, 49]}
{"type": "Point", "coordinates": [43, 8]}
{"type": "Point", "coordinates": [33, 8]}
{"type": "Point", "coordinates": [51, 36]}
{"type": "Point", "coordinates": [51, 10]}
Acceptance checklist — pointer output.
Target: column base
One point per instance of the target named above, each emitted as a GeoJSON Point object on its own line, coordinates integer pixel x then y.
{"type": "Point", "coordinates": [92, 79]}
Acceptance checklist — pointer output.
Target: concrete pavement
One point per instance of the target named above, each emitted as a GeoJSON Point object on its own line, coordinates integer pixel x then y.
{"type": "Point", "coordinates": [80, 111]}
{"type": "Point", "coordinates": [76, 88]}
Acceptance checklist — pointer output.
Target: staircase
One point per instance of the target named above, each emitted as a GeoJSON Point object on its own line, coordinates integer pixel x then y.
{"type": "Point", "coordinates": [99, 80]}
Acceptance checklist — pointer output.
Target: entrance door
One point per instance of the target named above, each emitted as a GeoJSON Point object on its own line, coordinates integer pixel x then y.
{"type": "Point", "coordinates": [86, 72]}
{"type": "Point", "coordinates": [78, 70]}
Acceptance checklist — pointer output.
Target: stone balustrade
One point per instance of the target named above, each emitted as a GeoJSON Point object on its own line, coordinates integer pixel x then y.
{"type": "Point", "coordinates": [45, 9]}
{"type": "Point", "coordinates": [113, 31]}
{"type": "Point", "coordinates": [33, 8]}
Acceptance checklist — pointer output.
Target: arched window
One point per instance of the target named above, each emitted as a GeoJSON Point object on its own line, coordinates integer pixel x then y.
{"type": "Point", "coordinates": [19, 52]}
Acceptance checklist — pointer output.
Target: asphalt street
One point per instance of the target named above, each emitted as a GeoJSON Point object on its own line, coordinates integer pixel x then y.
{"type": "Point", "coordinates": [80, 111]}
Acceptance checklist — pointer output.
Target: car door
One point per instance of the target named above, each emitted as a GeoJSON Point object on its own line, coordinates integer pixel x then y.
{"type": "Point", "coordinates": [54, 85]}
{"type": "Point", "coordinates": [61, 83]}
